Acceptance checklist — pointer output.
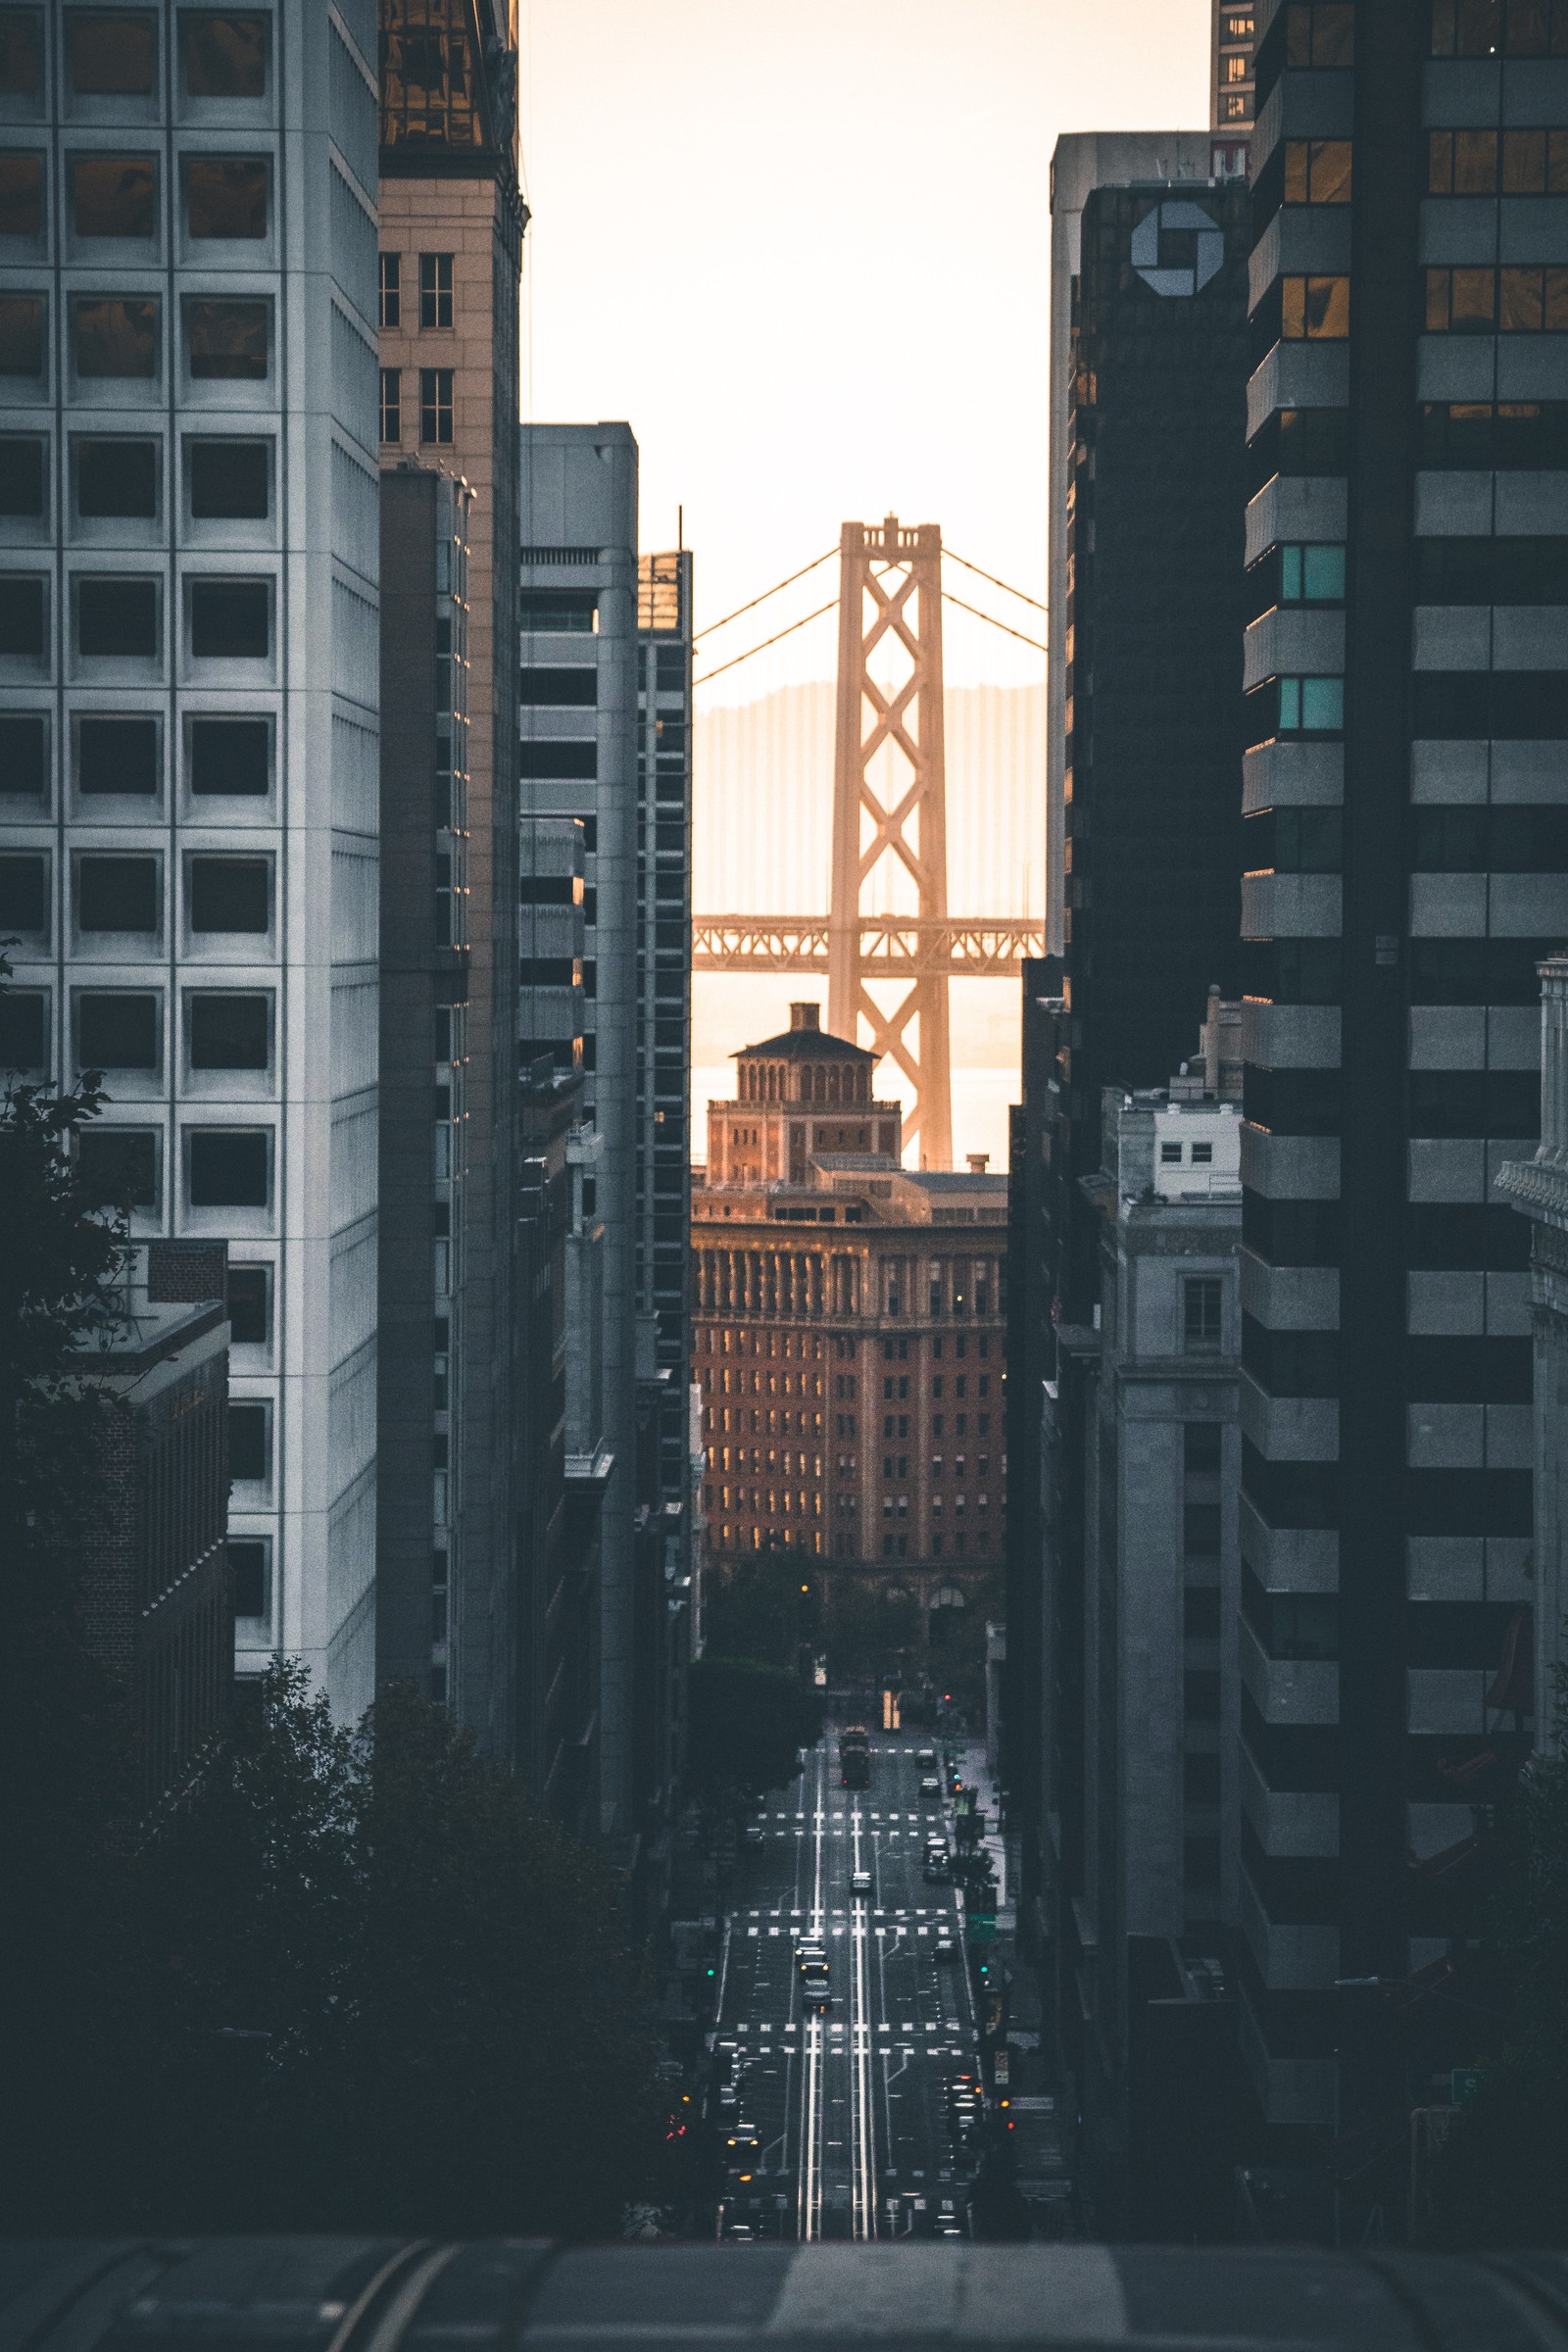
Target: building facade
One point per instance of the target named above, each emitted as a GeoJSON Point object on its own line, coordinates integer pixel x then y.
{"type": "Point", "coordinates": [1538, 1188]}
{"type": "Point", "coordinates": [158, 1579]}
{"type": "Point", "coordinates": [848, 1322]}
{"type": "Point", "coordinates": [1403, 797]}
{"type": "Point", "coordinates": [1155, 454]}
{"type": "Point", "coordinates": [1145, 1610]}
{"type": "Point", "coordinates": [189, 702]}
{"type": "Point", "coordinates": [577, 755]}
{"type": "Point", "coordinates": [1231, 84]}
{"type": "Point", "coordinates": [451, 228]}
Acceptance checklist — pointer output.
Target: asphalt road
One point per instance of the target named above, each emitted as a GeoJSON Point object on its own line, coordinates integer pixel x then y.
{"type": "Point", "coordinates": [847, 2109]}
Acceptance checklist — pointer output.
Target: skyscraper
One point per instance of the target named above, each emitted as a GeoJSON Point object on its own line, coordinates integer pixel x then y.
{"type": "Point", "coordinates": [451, 222]}
{"type": "Point", "coordinates": [1405, 875]}
{"type": "Point", "coordinates": [1231, 82]}
{"type": "Point", "coordinates": [577, 694]}
{"type": "Point", "coordinates": [188, 704]}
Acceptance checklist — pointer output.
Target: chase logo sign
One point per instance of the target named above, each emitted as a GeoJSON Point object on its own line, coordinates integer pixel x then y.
{"type": "Point", "coordinates": [1208, 254]}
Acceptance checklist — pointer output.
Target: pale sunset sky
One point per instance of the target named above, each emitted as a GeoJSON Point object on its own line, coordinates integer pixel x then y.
{"type": "Point", "coordinates": [801, 246]}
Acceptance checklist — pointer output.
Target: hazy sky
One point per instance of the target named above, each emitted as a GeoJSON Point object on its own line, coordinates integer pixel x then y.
{"type": "Point", "coordinates": [802, 245]}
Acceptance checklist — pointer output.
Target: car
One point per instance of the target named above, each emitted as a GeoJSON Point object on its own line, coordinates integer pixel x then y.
{"type": "Point", "coordinates": [947, 1947]}
{"type": "Point", "coordinates": [930, 1785]}
{"type": "Point", "coordinates": [935, 1873]}
{"type": "Point", "coordinates": [810, 1954]}
{"type": "Point", "coordinates": [861, 1882]}
{"type": "Point", "coordinates": [818, 1993]}
{"type": "Point", "coordinates": [814, 1972]}
{"type": "Point", "coordinates": [740, 2233]}
{"type": "Point", "coordinates": [925, 1757]}
{"type": "Point", "coordinates": [755, 1833]}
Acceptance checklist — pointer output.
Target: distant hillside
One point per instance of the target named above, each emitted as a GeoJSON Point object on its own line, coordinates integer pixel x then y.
{"type": "Point", "coordinates": [763, 802]}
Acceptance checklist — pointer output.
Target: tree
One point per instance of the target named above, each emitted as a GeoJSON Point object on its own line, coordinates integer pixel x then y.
{"type": "Point", "coordinates": [354, 1983]}
{"type": "Point", "coordinates": [746, 1725]}
{"type": "Point", "coordinates": [1503, 2176]}
{"type": "Point", "coordinates": [762, 1608]}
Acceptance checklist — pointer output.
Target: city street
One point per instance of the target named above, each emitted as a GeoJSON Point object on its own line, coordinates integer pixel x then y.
{"type": "Point", "coordinates": [846, 2106]}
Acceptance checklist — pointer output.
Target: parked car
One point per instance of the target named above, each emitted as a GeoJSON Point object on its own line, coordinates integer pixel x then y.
{"type": "Point", "coordinates": [861, 1882]}
{"type": "Point", "coordinates": [925, 1757]}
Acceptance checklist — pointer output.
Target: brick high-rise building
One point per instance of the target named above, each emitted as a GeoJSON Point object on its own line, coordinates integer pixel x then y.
{"type": "Point", "coordinates": [849, 1328]}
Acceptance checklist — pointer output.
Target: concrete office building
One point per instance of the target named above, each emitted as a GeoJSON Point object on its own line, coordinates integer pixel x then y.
{"type": "Point", "coordinates": [451, 231]}
{"type": "Point", "coordinates": [189, 702]}
{"type": "Point", "coordinates": [1080, 163]}
{"type": "Point", "coordinates": [1155, 456]}
{"type": "Point", "coordinates": [1405, 794]}
{"type": "Point", "coordinates": [578, 754]}
{"type": "Point", "coordinates": [852, 1380]}
{"type": "Point", "coordinates": [1143, 1612]}
{"type": "Point", "coordinates": [1538, 1188]}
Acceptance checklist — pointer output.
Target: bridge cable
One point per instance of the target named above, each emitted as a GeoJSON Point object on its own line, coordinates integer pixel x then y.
{"type": "Point", "coordinates": [738, 658]}
{"type": "Point", "coordinates": [994, 582]}
{"type": "Point", "coordinates": [948, 598]}
{"type": "Point", "coordinates": [767, 593]}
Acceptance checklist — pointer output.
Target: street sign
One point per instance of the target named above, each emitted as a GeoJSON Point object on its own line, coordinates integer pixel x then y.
{"type": "Point", "coordinates": [1002, 2070]}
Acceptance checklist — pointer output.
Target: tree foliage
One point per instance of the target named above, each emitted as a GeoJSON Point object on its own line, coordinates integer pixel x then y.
{"type": "Point", "coordinates": [762, 1608]}
{"type": "Point", "coordinates": [355, 1982]}
{"type": "Point", "coordinates": [746, 1722]}
{"type": "Point", "coordinates": [1502, 2178]}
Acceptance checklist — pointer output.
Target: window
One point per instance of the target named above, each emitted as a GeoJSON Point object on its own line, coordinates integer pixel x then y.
{"type": "Point", "coordinates": [391, 404]}
{"type": "Point", "coordinates": [229, 758]}
{"type": "Point", "coordinates": [435, 406]}
{"type": "Point", "coordinates": [250, 1300]}
{"type": "Point", "coordinates": [225, 196]}
{"type": "Point", "coordinates": [229, 1033]}
{"type": "Point", "coordinates": [558, 688]}
{"type": "Point", "coordinates": [391, 289]}
{"type": "Point", "coordinates": [110, 56]}
{"type": "Point", "coordinates": [1321, 34]}
{"type": "Point", "coordinates": [116, 894]}
{"type": "Point", "coordinates": [21, 52]}
{"type": "Point", "coordinates": [224, 55]}
{"type": "Point", "coordinates": [229, 481]}
{"type": "Point", "coordinates": [561, 611]}
{"type": "Point", "coordinates": [229, 893]}
{"type": "Point", "coordinates": [227, 341]}
{"type": "Point", "coordinates": [1201, 1444]}
{"type": "Point", "coordinates": [23, 895]}
{"type": "Point", "coordinates": [1462, 301]}
{"type": "Point", "coordinates": [1200, 1530]}
{"type": "Point", "coordinates": [247, 1565]}
{"type": "Point", "coordinates": [1315, 310]}
{"type": "Point", "coordinates": [228, 1167]}
{"type": "Point", "coordinates": [1310, 705]}
{"type": "Point", "coordinates": [230, 620]}
{"type": "Point", "coordinates": [21, 334]}
{"type": "Point", "coordinates": [1311, 575]}
{"type": "Point", "coordinates": [1170, 1154]}
{"type": "Point", "coordinates": [116, 620]}
{"type": "Point", "coordinates": [118, 1167]}
{"type": "Point", "coordinates": [1202, 1154]}
{"type": "Point", "coordinates": [21, 1031]}
{"type": "Point", "coordinates": [116, 755]}
{"type": "Point", "coordinates": [1483, 27]}
{"type": "Point", "coordinates": [1317, 170]}
{"type": "Point", "coordinates": [1535, 162]}
{"type": "Point", "coordinates": [247, 1440]}
{"type": "Point", "coordinates": [116, 480]}
{"type": "Point", "coordinates": [1200, 1316]}
{"type": "Point", "coordinates": [116, 338]}
{"type": "Point", "coordinates": [22, 747]}
{"type": "Point", "coordinates": [435, 289]}
{"type": "Point", "coordinates": [1200, 1776]}
{"type": "Point", "coordinates": [23, 619]}
{"type": "Point", "coordinates": [117, 1032]}
{"type": "Point", "coordinates": [20, 195]}
{"type": "Point", "coordinates": [114, 196]}
{"type": "Point", "coordinates": [1509, 435]}
{"type": "Point", "coordinates": [1463, 163]}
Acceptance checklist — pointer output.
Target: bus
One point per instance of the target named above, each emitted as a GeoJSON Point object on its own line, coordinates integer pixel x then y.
{"type": "Point", "coordinates": [854, 1757]}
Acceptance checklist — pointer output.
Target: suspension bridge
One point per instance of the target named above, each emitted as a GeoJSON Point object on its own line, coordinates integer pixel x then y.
{"type": "Point", "coordinates": [890, 823]}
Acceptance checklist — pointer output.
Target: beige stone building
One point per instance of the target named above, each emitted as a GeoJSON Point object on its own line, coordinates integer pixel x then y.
{"type": "Point", "coordinates": [847, 1330]}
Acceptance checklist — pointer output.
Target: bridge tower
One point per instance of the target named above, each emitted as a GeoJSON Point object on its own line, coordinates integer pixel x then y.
{"type": "Point", "coordinates": [890, 586]}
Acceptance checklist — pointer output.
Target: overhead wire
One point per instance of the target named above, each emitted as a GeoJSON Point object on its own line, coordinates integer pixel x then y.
{"type": "Point", "coordinates": [948, 598]}
{"type": "Point", "coordinates": [1005, 585]}
{"type": "Point", "coordinates": [762, 598]}
{"type": "Point", "coordinates": [830, 606]}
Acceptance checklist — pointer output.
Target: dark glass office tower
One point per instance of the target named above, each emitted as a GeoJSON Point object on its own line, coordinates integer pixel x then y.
{"type": "Point", "coordinates": [1407, 831]}
{"type": "Point", "coordinates": [1157, 470]}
